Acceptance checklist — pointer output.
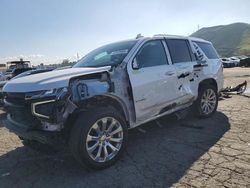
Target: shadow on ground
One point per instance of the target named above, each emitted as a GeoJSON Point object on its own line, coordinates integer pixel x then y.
{"type": "Point", "coordinates": [2, 116]}
{"type": "Point", "coordinates": [158, 154]}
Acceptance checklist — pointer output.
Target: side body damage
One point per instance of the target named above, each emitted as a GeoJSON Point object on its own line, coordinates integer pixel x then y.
{"type": "Point", "coordinates": [103, 89]}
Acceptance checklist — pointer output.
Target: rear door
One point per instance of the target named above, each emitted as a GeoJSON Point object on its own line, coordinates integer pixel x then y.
{"type": "Point", "coordinates": [212, 65]}
{"type": "Point", "coordinates": [183, 60]}
{"type": "Point", "coordinates": [153, 79]}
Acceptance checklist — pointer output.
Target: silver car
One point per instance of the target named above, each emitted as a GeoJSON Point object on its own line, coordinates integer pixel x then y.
{"type": "Point", "coordinates": [117, 87]}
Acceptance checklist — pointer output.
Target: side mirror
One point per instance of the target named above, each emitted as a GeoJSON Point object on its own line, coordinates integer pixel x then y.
{"type": "Point", "coordinates": [135, 64]}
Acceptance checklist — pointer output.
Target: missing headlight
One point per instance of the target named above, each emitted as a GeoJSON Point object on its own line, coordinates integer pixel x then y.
{"type": "Point", "coordinates": [51, 93]}
{"type": "Point", "coordinates": [43, 109]}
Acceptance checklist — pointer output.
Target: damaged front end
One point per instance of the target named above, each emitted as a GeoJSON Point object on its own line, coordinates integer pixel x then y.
{"type": "Point", "coordinates": [42, 115]}
{"type": "Point", "coordinates": [52, 110]}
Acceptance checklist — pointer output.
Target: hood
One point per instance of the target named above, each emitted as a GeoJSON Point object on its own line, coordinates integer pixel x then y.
{"type": "Point", "coordinates": [2, 83]}
{"type": "Point", "coordinates": [49, 80]}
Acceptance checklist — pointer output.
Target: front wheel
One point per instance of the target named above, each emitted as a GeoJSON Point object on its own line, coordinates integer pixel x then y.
{"type": "Point", "coordinates": [98, 137]}
{"type": "Point", "coordinates": [207, 101]}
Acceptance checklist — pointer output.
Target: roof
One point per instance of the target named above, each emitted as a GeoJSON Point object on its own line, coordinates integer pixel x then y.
{"type": "Point", "coordinates": [178, 37]}
{"type": "Point", "coordinates": [198, 39]}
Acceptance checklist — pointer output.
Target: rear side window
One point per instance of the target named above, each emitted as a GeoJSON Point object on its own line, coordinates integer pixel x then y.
{"type": "Point", "coordinates": [208, 49]}
{"type": "Point", "coordinates": [179, 50]}
{"type": "Point", "coordinates": [151, 54]}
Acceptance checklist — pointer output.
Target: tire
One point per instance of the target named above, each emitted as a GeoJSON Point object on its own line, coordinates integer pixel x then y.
{"type": "Point", "coordinates": [212, 103]}
{"type": "Point", "coordinates": [87, 126]}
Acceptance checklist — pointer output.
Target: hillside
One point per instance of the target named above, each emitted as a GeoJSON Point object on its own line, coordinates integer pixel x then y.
{"type": "Point", "coordinates": [229, 40]}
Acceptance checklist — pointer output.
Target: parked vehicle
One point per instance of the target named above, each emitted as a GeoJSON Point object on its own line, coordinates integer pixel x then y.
{"type": "Point", "coordinates": [227, 63]}
{"type": "Point", "coordinates": [245, 62]}
{"type": "Point", "coordinates": [242, 57]}
{"type": "Point", "coordinates": [235, 61]}
{"type": "Point", "coordinates": [114, 88]}
{"type": "Point", "coordinates": [15, 68]}
{"type": "Point", "coordinates": [2, 76]}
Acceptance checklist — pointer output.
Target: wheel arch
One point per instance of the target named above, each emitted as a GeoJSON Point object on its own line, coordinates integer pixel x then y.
{"type": "Point", "coordinates": [100, 101]}
{"type": "Point", "coordinates": [208, 81]}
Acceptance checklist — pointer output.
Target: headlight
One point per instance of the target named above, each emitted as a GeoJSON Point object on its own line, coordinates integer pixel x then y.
{"type": "Point", "coordinates": [50, 102]}
{"type": "Point", "coordinates": [50, 92]}
{"type": "Point", "coordinates": [56, 92]}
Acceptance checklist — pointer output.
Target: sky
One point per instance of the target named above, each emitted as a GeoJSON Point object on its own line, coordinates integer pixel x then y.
{"type": "Point", "coordinates": [48, 31]}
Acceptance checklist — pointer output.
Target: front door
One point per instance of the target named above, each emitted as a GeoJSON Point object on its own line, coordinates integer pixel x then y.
{"type": "Point", "coordinates": [153, 80]}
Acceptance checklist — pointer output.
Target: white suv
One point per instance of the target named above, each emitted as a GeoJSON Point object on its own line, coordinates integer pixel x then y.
{"type": "Point", "coordinates": [114, 88]}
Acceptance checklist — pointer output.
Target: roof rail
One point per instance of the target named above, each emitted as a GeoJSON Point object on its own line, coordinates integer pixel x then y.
{"type": "Point", "coordinates": [139, 35]}
{"type": "Point", "coordinates": [160, 35]}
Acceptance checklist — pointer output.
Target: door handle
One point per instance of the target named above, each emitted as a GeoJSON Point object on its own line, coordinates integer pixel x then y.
{"type": "Point", "coordinates": [169, 73]}
{"type": "Point", "coordinates": [183, 75]}
{"type": "Point", "coordinates": [200, 65]}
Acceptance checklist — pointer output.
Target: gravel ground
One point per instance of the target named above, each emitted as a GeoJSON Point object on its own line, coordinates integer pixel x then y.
{"type": "Point", "coordinates": [212, 152]}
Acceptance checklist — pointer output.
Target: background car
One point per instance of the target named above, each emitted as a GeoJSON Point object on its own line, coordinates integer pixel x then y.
{"type": "Point", "coordinates": [235, 61]}
{"type": "Point", "coordinates": [245, 62]}
{"type": "Point", "coordinates": [2, 76]}
{"type": "Point", "coordinates": [15, 68]}
{"type": "Point", "coordinates": [242, 57]}
{"type": "Point", "coordinates": [227, 63]}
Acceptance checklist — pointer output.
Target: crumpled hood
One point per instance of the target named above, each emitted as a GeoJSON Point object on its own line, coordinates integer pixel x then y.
{"type": "Point", "coordinates": [49, 80]}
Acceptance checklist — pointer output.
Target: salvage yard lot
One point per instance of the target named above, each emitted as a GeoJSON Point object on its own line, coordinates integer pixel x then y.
{"type": "Point", "coordinates": [188, 153]}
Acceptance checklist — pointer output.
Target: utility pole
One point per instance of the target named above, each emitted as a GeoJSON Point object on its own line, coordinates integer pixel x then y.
{"type": "Point", "coordinates": [77, 56]}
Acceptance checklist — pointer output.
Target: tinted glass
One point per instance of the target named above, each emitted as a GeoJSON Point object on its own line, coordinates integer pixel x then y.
{"type": "Point", "coordinates": [179, 50]}
{"type": "Point", "coordinates": [111, 54]}
{"type": "Point", "coordinates": [151, 54]}
{"type": "Point", "coordinates": [208, 49]}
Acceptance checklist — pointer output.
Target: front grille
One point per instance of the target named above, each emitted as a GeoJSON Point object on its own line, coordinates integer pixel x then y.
{"type": "Point", "coordinates": [20, 110]}
{"type": "Point", "coordinates": [23, 115]}
{"type": "Point", "coordinates": [15, 98]}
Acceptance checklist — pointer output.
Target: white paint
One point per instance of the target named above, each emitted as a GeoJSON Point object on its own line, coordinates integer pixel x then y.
{"type": "Point", "coordinates": [49, 80]}
{"type": "Point", "coordinates": [153, 89]}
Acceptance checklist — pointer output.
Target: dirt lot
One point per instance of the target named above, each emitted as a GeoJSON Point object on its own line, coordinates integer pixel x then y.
{"type": "Point", "coordinates": [212, 152]}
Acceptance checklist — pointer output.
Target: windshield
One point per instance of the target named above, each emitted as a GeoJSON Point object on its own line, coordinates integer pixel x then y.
{"type": "Point", "coordinates": [111, 54]}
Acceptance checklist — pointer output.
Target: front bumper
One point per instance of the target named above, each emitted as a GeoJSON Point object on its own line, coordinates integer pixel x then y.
{"type": "Point", "coordinates": [25, 132]}
{"type": "Point", "coordinates": [42, 121]}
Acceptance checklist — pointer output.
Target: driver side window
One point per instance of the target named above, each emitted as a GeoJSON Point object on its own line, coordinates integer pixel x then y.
{"type": "Point", "coordinates": [151, 54]}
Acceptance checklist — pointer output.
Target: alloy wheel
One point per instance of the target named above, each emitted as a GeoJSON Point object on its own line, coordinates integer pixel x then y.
{"type": "Point", "coordinates": [104, 139]}
{"type": "Point", "coordinates": [208, 101]}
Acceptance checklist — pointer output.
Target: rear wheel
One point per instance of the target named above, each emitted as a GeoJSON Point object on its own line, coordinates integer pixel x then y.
{"type": "Point", "coordinates": [207, 101]}
{"type": "Point", "coordinates": [98, 137]}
